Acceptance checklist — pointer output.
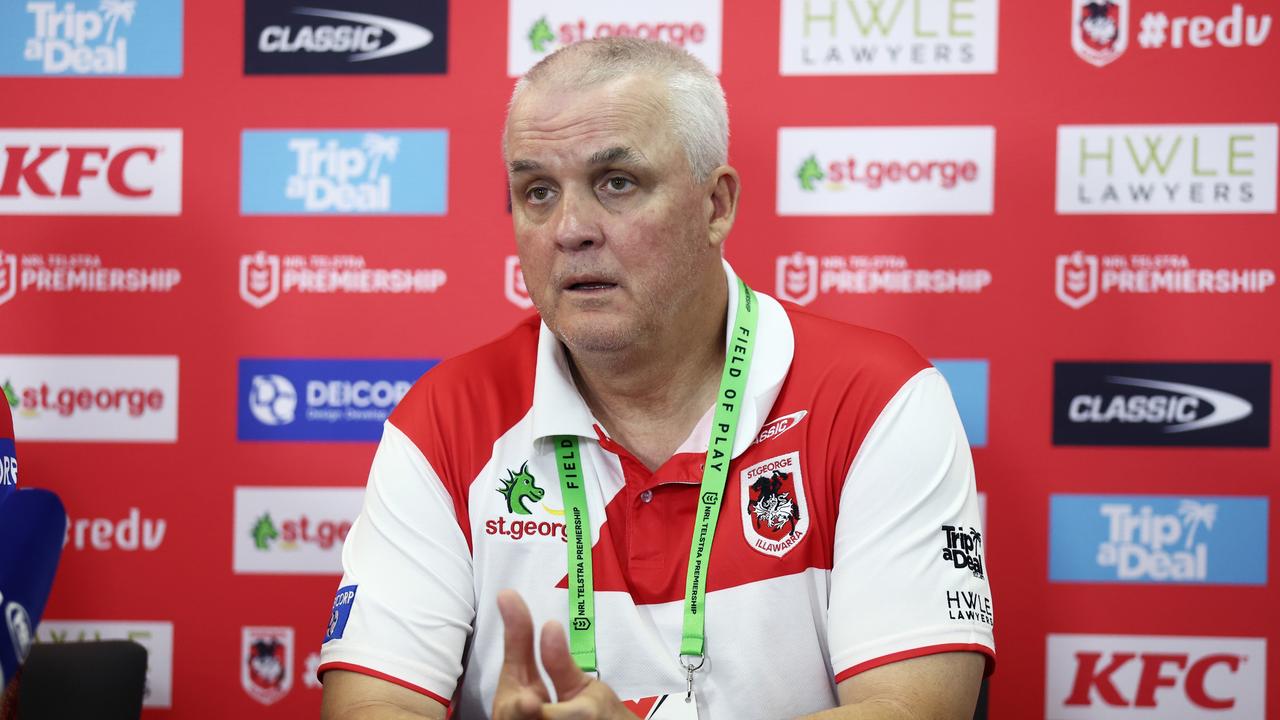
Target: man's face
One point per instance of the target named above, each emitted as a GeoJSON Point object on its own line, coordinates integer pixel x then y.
{"type": "Point", "coordinates": [611, 229]}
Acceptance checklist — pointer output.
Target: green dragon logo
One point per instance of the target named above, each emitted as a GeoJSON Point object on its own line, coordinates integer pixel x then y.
{"type": "Point", "coordinates": [519, 486]}
{"type": "Point", "coordinates": [263, 531]}
{"type": "Point", "coordinates": [810, 173]}
{"type": "Point", "coordinates": [10, 394]}
{"type": "Point", "coordinates": [540, 34]}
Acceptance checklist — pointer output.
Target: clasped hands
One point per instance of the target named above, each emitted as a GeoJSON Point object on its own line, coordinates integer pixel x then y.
{"type": "Point", "coordinates": [521, 694]}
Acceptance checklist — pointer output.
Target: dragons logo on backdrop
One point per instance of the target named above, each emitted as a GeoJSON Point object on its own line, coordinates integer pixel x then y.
{"type": "Point", "coordinates": [1100, 30]}
{"type": "Point", "coordinates": [266, 657]}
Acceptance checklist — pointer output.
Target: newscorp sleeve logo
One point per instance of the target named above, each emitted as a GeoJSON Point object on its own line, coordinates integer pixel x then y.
{"type": "Point", "coordinates": [886, 171]}
{"type": "Point", "coordinates": [321, 400]}
{"type": "Point", "coordinates": [104, 38]}
{"type": "Point", "coordinates": [1171, 169]}
{"type": "Point", "coordinates": [91, 172]}
{"type": "Point", "coordinates": [1158, 539]}
{"type": "Point", "coordinates": [386, 172]}
{"type": "Point", "coordinates": [345, 37]}
{"type": "Point", "coordinates": [1195, 404]}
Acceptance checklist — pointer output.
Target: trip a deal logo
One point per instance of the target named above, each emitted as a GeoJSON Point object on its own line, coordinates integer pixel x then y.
{"type": "Point", "coordinates": [103, 38]}
{"type": "Point", "coordinates": [1158, 539]}
{"type": "Point", "coordinates": [376, 172]}
{"type": "Point", "coordinates": [886, 170]}
{"type": "Point", "coordinates": [1126, 677]}
{"type": "Point", "coordinates": [287, 37]}
{"type": "Point", "coordinates": [1162, 404]}
{"type": "Point", "coordinates": [1166, 169]}
{"type": "Point", "coordinates": [90, 172]}
{"type": "Point", "coordinates": [536, 28]}
{"type": "Point", "coordinates": [320, 400]}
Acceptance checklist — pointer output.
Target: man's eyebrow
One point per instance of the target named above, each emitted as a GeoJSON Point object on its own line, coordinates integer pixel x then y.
{"type": "Point", "coordinates": [519, 166]}
{"type": "Point", "coordinates": [617, 154]}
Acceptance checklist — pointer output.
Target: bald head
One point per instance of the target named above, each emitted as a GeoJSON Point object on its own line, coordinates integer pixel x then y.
{"type": "Point", "coordinates": [694, 101]}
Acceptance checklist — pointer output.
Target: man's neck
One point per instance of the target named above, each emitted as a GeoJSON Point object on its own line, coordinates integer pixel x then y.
{"type": "Point", "coordinates": [650, 398]}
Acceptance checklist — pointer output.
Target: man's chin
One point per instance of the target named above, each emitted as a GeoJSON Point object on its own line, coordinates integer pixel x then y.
{"type": "Point", "coordinates": [597, 337]}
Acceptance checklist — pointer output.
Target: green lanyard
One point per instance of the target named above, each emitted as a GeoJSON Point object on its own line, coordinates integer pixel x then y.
{"type": "Point", "coordinates": [582, 613]}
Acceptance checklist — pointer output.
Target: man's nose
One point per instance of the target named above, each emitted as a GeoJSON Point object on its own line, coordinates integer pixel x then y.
{"type": "Point", "coordinates": [578, 221]}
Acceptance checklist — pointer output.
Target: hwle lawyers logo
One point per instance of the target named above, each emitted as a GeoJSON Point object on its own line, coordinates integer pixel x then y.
{"type": "Point", "coordinates": [106, 38]}
{"type": "Point", "coordinates": [1125, 677]}
{"type": "Point", "coordinates": [888, 37]}
{"type": "Point", "coordinates": [1166, 169]}
{"type": "Point", "coordinates": [536, 28]}
{"type": "Point", "coordinates": [154, 635]}
{"type": "Point", "coordinates": [886, 170]}
{"type": "Point", "coordinates": [345, 37]}
{"type": "Point", "coordinates": [1158, 404]}
{"type": "Point", "coordinates": [1080, 278]}
{"type": "Point", "coordinates": [377, 172]}
{"type": "Point", "coordinates": [91, 172]}
{"type": "Point", "coordinates": [293, 530]}
{"type": "Point", "coordinates": [1158, 539]}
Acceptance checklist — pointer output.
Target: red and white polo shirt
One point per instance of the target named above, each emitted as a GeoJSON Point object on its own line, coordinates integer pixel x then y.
{"type": "Point", "coordinates": [848, 536]}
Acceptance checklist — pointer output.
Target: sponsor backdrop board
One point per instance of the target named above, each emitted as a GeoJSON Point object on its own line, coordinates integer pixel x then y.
{"type": "Point", "coordinates": [235, 232]}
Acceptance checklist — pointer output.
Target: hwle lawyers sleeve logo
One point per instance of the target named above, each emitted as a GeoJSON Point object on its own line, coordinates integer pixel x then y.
{"type": "Point", "coordinates": [91, 172]}
{"type": "Point", "coordinates": [1126, 677]}
{"type": "Point", "coordinates": [1158, 539]}
{"type": "Point", "coordinates": [1190, 404]}
{"type": "Point", "coordinates": [103, 38]}
{"type": "Point", "coordinates": [1166, 169]}
{"type": "Point", "coordinates": [345, 37]}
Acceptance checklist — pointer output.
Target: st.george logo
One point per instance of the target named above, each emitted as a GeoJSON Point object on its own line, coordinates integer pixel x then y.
{"type": "Point", "coordinates": [1100, 30]}
{"type": "Point", "coordinates": [519, 487]}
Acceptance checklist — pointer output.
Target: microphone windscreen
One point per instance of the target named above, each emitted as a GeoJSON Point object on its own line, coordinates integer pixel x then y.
{"type": "Point", "coordinates": [33, 524]}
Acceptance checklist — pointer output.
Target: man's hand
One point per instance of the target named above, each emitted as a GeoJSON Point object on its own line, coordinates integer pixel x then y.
{"type": "Point", "coordinates": [521, 694]}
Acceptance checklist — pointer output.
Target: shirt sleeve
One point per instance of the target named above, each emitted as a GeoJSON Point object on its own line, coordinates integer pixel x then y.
{"type": "Point", "coordinates": [908, 576]}
{"type": "Point", "coordinates": [406, 603]}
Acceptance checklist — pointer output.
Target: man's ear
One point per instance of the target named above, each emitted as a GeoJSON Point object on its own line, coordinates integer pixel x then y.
{"type": "Point", "coordinates": [722, 202]}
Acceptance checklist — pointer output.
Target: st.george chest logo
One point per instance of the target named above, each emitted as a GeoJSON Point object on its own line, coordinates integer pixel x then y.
{"type": "Point", "coordinates": [775, 516]}
{"type": "Point", "coordinates": [523, 497]}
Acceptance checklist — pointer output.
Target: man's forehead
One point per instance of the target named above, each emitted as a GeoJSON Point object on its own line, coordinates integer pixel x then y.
{"type": "Point", "coordinates": [584, 124]}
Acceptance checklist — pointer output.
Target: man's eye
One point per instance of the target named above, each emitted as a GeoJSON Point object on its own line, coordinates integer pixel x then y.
{"type": "Point", "coordinates": [539, 194]}
{"type": "Point", "coordinates": [618, 183]}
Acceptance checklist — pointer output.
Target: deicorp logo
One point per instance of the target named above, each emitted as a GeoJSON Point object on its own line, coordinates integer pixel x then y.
{"type": "Point", "coordinates": [887, 37]}
{"type": "Point", "coordinates": [1152, 169]}
{"type": "Point", "coordinates": [91, 172]}
{"type": "Point", "coordinates": [293, 530]}
{"type": "Point", "coordinates": [886, 171]}
{"type": "Point", "coordinates": [321, 400]}
{"type": "Point", "coordinates": [103, 38]}
{"type": "Point", "coordinates": [345, 37]}
{"type": "Point", "coordinates": [384, 172]}
{"type": "Point", "coordinates": [536, 28]}
{"type": "Point", "coordinates": [1124, 677]}
{"type": "Point", "coordinates": [92, 397]}
{"type": "Point", "coordinates": [1190, 404]}
{"type": "Point", "coordinates": [1158, 539]}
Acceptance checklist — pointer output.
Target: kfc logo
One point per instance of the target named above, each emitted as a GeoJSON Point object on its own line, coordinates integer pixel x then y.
{"type": "Point", "coordinates": [91, 172]}
{"type": "Point", "coordinates": [1106, 677]}
{"type": "Point", "coordinates": [513, 284]}
{"type": "Point", "coordinates": [797, 279]}
{"type": "Point", "coordinates": [259, 279]}
{"type": "Point", "coordinates": [1100, 30]}
{"type": "Point", "coordinates": [1076, 279]}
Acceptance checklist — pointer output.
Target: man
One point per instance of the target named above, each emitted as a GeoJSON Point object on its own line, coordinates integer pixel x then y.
{"type": "Point", "coordinates": [571, 470]}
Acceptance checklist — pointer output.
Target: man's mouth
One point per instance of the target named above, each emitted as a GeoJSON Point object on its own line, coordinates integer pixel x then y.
{"type": "Point", "coordinates": [589, 285]}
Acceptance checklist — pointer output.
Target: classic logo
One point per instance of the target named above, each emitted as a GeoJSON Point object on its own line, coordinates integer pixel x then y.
{"type": "Point", "coordinates": [1100, 30]}
{"type": "Point", "coordinates": [535, 28]}
{"type": "Point", "coordinates": [1153, 169]}
{"type": "Point", "coordinates": [379, 172]}
{"type": "Point", "coordinates": [92, 397]}
{"type": "Point", "coordinates": [106, 38]}
{"type": "Point", "coordinates": [265, 277]}
{"type": "Point", "coordinates": [886, 170]}
{"type": "Point", "coordinates": [1122, 677]}
{"type": "Point", "coordinates": [266, 662]}
{"type": "Point", "coordinates": [969, 380]}
{"type": "Point", "coordinates": [345, 37]}
{"type": "Point", "coordinates": [1078, 281]}
{"type": "Point", "coordinates": [775, 516]}
{"type": "Point", "coordinates": [513, 284]}
{"type": "Point", "coordinates": [801, 278]}
{"type": "Point", "coordinates": [61, 273]}
{"type": "Point", "coordinates": [1117, 538]}
{"type": "Point", "coordinates": [293, 530]}
{"type": "Point", "coordinates": [963, 548]}
{"type": "Point", "coordinates": [887, 37]}
{"type": "Point", "coordinates": [130, 533]}
{"type": "Point", "coordinates": [156, 636]}
{"type": "Point", "coordinates": [91, 172]}
{"type": "Point", "coordinates": [1191, 404]}
{"type": "Point", "coordinates": [321, 400]}
{"type": "Point", "coordinates": [774, 428]}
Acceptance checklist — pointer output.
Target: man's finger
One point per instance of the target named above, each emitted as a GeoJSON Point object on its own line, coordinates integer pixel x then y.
{"type": "Point", "coordinates": [517, 633]}
{"type": "Point", "coordinates": [566, 676]}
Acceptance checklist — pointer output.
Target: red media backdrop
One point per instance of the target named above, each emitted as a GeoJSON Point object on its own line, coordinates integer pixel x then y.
{"type": "Point", "coordinates": [186, 573]}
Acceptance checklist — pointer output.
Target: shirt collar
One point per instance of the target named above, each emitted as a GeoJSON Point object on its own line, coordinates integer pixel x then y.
{"type": "Point", "coordinates": [558, 408]}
